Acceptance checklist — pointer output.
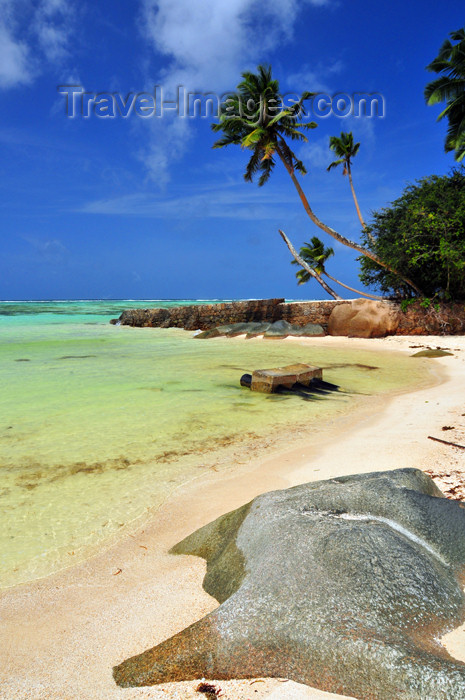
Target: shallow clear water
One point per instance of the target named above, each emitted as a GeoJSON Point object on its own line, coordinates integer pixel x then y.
{"type": "Point", "coordinates": [98, 423]}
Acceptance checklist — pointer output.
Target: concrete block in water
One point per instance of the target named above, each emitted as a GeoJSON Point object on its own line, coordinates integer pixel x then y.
{"type": "Point", "coordinates": [266, 380]}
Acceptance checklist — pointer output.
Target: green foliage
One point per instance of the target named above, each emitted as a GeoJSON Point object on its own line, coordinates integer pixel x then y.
{"type": "Point", "coordinates": [255, 119]}
{"type": "Point", "coordinates": [450, 88]}
{"type": "Point", "coordinates": [425, 303]}
{"type": "Point", "coordinates": [422, 236]}
{"type": "Point", "coordinates": [345, 149]}
{"type": "Point", "coordinates": [405, 303]}
{"type": "Point", "coordinates": [315, 255]}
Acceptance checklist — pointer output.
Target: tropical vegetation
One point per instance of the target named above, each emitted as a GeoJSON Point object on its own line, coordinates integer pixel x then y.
{"type": "Point", "coordinates": [316, 255]}
{"type": "Point", "coordinates": [422, 234]}
{"type": "Point", "coordinates": [450, 88]}
{"type": "Point", "coordinates": [254, 119]}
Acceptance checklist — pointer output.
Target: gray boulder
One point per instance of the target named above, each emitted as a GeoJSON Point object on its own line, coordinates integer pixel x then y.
{"type": "Point", "coordinates": [257, 328]}
{"type": "Point", "coordinates": [310, 329]}
{"type": "Point", "coordinates": [345, 585]}
{"type": "Point", "coordinates": [279, 329]}
{"type": "Point", "coordinates": [232, 329]}
{"type": "Point", "coordinates": [210, 333]}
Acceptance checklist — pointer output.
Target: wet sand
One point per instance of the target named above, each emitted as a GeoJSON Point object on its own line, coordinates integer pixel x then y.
{"type": "Point", "coordinates": [62, 635]}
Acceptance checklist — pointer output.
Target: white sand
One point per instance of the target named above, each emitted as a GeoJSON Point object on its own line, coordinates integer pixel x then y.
{"type": "Point", "coordinates": [60, 637]}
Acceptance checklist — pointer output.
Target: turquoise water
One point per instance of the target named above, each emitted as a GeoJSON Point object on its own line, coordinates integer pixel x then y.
{"type": "Point", "coordinates": [99, 423]}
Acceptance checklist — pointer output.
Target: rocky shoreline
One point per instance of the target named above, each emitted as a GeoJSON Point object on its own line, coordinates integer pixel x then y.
{"type": "Point", "coordinates": [357, 318]}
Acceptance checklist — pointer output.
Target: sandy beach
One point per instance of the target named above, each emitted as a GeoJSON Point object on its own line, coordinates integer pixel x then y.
{"type": "Point", "coordinates": [62, 635]}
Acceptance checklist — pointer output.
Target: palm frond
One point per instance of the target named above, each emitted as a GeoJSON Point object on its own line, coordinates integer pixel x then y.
{"type": "Point", "coordinates": [334, 164]}
{"type": "Point", "coordinates": [315, 255]}
{"type": "Point", "coordinates": [255, 118]}
{"type": "Point", "coordinates": [450, 88]}
{"type": "Point", "coordinates": [266, 168]}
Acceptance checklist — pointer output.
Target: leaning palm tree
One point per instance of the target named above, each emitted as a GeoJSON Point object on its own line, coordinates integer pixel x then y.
{"type": "Point", "coordinates": [316, 255]}
{"type": "Point", "coordinates": [255, 119]}
{"type": "Point", "coordinates": [346, 150]}
{"type": "Point", "coordinates": [311, 268]}
{"type": "Point", "coordinates": [450, 88]}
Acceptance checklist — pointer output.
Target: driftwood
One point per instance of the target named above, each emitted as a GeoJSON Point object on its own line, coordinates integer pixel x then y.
{"type": "Point", "coordinates": [446, 442]}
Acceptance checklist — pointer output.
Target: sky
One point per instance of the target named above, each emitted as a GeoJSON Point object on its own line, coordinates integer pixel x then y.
{"type": "Point", "coordinates": [142, 206]}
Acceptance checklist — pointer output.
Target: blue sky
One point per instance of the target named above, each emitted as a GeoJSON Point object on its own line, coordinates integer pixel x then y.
{"type": "Point", "coordinates": [144, 208]}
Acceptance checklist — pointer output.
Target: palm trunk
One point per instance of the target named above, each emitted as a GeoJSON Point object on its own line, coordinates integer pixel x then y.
{"type": "Point", "coordinates": [307, 267]}
{"type": "Point", "coordinates": [349, 173]}
{"type": "Point", "coordinates": [356, 204]}
{"type": "Point", "coordinates": [351, 289]}
{"type": "Point", "coordinates": [331, 232]}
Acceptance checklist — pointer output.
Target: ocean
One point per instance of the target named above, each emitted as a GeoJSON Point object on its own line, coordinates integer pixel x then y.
{"type": "Point", "coordinates": [99, 424]}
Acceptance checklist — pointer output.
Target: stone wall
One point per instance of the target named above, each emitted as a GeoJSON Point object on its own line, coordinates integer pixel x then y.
{"type": "Point", "coordinates": [204, 316]}
{"type": "Point", "coordinates": [302, 312]}
{"type": "Point", "coordinates": [443, 319]}
{"type": "Point", "coordinates": [415, 320]}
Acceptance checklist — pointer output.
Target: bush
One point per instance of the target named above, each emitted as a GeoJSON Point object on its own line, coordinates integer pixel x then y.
{"type": "Point", "coordinates": [422, 235]}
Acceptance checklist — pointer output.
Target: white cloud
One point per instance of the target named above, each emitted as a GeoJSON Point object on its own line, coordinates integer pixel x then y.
{"type": "Point", "coordinates": [315, 78]}
{"type": "Point", "coordinates": [207, 44]}
{"type": "Point", "coordinates": [226, 201]}
{"type": "Point", "coordinates": [363, 129]}
{"type": "Point", "coordinates": [51, 250]}
{"type": "Point", "coordinates": [53, 25]}
{"type": "Point", "coordinates": [13, 60]}
{"type": "Point", "coordinates": [14, 53]}
{"type": "Point", "coordinates": [316, 153]}
{"type": "Point", "coordinates": [32, 34]}
{"type": "Point", "coordinates": [165, 143]}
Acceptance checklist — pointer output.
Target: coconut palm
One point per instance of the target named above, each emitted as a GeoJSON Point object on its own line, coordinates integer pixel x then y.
{"type": "Point", "coordinates": [311, 270]}
{"type": "Point", "coordinates": [316, 255]}
{"type": "Point", "coordinates": [450, 88]}
{"type": "Point", "coordinates": [255, 119]}
{"type": "Point", "coordinates": [346, 150]}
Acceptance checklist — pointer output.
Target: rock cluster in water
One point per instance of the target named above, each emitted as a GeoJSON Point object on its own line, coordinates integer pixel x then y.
{"type": "Point", "coordinates": [278, 329]}
{"type": "Point", "coordinates": [344, 584]}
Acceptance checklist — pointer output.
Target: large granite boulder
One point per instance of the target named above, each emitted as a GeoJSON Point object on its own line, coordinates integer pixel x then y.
{"type": "Point", "coordinates": [363, 318]}
{"type": "Point", "coordinates": [345, 585]}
